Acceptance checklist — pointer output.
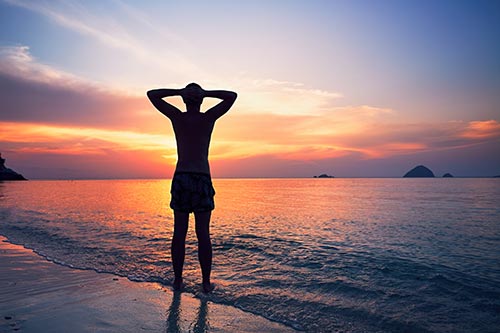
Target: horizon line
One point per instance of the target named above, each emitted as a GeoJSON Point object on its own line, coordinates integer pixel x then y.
{"type": "Point", "coordinates": [311, 177]}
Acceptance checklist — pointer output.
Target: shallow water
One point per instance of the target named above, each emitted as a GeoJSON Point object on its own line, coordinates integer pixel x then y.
{"type": "Point", "coordinates": [320, 255]}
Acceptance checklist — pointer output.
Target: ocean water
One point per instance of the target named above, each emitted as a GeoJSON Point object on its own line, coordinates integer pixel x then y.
{"type": "Point", "coordinates": [319, 255]}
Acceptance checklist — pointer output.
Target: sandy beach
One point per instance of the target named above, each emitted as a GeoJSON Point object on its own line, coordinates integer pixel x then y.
{"type": "Point", "coordinates": [37, 295]}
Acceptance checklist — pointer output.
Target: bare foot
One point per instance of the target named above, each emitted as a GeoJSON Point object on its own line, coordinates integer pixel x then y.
{"type": "Point", "coordinates": [178, 285]}
{"type": "Point", "coordinates": [207, 287]}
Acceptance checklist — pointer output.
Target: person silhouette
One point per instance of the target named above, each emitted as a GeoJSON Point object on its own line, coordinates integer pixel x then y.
{"type": "Point", "coordinates": [192, 190]}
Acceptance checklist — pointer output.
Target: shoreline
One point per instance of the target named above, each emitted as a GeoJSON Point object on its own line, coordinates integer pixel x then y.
{"type": "Point", "coordinates": [38, 295]}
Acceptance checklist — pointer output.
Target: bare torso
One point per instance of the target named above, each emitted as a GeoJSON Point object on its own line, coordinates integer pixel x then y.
{"type": "Point", "coordinates": [193, 131]}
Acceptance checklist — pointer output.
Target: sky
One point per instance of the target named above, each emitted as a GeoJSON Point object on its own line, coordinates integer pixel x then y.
{"type": "Point", "coordinates": [347, 88]}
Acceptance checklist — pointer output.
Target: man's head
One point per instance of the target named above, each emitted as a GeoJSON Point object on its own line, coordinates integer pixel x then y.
{"type": "Point", "coordinates": [192, 95]}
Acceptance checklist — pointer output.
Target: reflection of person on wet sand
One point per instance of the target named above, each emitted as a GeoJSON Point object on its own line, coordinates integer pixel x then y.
{"type": "Point", "coordinates": [192, 189]}
{"type": "Point", "coordinates": [174, 320]}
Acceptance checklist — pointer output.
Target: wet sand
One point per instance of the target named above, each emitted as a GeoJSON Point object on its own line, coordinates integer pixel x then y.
{"type": "Point", "coordinates": [37, 295]}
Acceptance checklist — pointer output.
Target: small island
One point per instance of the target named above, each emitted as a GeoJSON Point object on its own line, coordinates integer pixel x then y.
{"type": "Point", "coordinates": [8, 174]}
{"type": "Point", "coordinates": [324, 175]}
{"type": "Point", "coordinates": [419, 171]}
{"type": "Point", "coordinates": [448, 175]}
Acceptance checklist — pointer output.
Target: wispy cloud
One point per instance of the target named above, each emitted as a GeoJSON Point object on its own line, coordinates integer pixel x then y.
{"type": "Point", "coordinates": [111, 31]}
{"type": "Point", "coordinates": [272, 96]}
{"type": "Point", "coordinates": [17, 61]}
{"type": "Point", "coordinates": [35, 92]}
{"type": "Point", "coordinates": [74, 16]}
{"type": "Point", "coordinates": [482, 129]}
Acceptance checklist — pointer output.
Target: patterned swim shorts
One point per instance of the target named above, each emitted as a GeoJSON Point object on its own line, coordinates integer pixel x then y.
{"type": "Point", "coordinates": [192, 192]}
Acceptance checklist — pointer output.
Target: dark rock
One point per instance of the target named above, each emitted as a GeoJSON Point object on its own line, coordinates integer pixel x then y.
{"type": "Point", "coordinates": [419, 171]}
{"type": "Point", "coordinates": [324, 175]}
{"type": "Point", "coordinates": [8, 174]}
{"type": "Point", "coordinates": [448, 175]}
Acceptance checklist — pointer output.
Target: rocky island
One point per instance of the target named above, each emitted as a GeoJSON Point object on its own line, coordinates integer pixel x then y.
{"type": "Point", "coordinates": [8, 174]}
{"type": "Point", "coordinates": [419, 171]}
{"type": "Point", "coordinates": [324, 175]}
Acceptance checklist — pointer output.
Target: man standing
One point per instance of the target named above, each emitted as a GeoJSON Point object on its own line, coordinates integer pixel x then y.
{"type": "Point", "coordinates": [192, 189]}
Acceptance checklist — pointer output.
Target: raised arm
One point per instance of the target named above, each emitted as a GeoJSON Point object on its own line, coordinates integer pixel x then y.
{"type": "Point", "coordinates": [156, 97]}
{"type": "Point", "coordinates": [228, 98]}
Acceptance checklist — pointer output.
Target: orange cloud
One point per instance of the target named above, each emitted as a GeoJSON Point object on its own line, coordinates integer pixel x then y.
{"type": "Point", "coordinates": [37, 138]}
{"type": "Point", "coordinates": [482, 129]}
{"type": "Point", "coordinates": [301, 137]}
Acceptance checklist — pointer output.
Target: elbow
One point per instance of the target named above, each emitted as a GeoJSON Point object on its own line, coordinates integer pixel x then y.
{"type": "Point", "coordinates": [233, 96]}
{"type": "Point", "coordinates": [152, 95]}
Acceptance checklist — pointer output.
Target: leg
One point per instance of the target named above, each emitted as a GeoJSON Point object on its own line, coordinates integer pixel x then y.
{"type": "Point", "coordinates": [181, 221]}
{"type": "Point", "coordinates": [202, 221]}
